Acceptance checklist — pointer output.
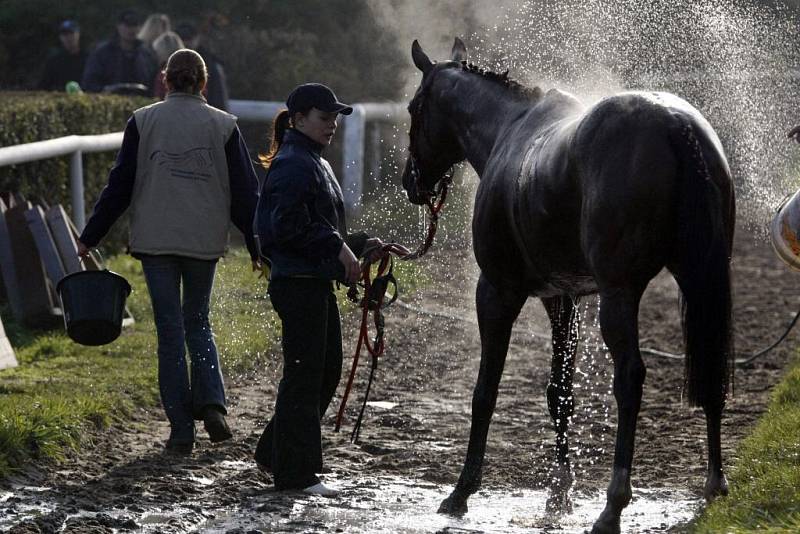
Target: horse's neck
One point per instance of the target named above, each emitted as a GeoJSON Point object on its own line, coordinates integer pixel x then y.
{"type": "Point", "coordinates": [489, 115]}
{"type": "Point", "coordinates": [480, 117]}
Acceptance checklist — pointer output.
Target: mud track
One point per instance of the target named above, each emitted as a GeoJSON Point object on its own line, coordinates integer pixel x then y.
{"type": "Point", "coordinates": [416, 432]}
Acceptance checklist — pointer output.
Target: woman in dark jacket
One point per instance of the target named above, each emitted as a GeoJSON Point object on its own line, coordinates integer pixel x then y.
{"type": "Point", "coordinates": [301, 228]}
{"type": "Point", "coordinates": [185, 172]}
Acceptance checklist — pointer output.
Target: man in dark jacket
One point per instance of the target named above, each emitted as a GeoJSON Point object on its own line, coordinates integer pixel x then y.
{"type": "Point", "coordinates": [123, 59]}
{"type": "Point", "coordinates": [65, 63]}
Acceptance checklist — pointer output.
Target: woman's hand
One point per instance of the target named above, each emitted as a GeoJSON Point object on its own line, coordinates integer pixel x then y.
{"type": "Point", "coordinates": [373, 249]}
{"type": "Point", "coordinates": [259, 266]}
{"type": "Point", "coordinates": [352, 269]}
{"type": "Point", "coordinates": [83, 250]}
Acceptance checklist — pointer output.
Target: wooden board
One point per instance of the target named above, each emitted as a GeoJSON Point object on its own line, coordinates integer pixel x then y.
{"type": "Point", "coordinates": [11, 293]}
{"type": "Point", "coordinates": [38, 306]}
{"type": "Point", "coordinates": [66, 242]}
{"type": "Point", "coordinates": [45, 245]}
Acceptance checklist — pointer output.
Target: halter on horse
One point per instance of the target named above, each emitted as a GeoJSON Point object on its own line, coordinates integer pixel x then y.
{"type": "Point", "coordinates": [575, 201]}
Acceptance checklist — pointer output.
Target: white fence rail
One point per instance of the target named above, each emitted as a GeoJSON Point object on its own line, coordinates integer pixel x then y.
{"type": "Point", "coordinates": [248, 110]}
{"type": "Point", "coordinates": [75, 145]}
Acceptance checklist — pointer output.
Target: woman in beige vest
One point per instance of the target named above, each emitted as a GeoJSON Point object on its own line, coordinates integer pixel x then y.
{"type": "Point", "coordinates": [185, 172]}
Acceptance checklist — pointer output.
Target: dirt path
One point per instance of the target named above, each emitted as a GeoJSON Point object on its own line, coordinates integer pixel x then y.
{"type": "Point", "coordinates": [415, 433]}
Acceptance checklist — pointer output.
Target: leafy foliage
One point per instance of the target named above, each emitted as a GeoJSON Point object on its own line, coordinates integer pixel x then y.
{"type": "Point", "coordinates": [267, 47]}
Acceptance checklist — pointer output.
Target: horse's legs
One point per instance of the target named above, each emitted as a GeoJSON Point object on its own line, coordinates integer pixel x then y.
{"type": "Point", "coordinates": [495, 319]}
{"type": "Point", "coordinates": [619, 309]}
{"type": "Point", "coordinates": [560, 399]}
{"type": "Point", "coordinates": [716, 483]}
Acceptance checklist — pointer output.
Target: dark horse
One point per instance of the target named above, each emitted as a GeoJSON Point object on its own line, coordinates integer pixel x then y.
{"type": "Point", "coordinates": [576, 201]}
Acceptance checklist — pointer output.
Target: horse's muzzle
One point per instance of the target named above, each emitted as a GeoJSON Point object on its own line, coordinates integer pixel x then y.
{"type": "Point", "coordinates": [411, 184]}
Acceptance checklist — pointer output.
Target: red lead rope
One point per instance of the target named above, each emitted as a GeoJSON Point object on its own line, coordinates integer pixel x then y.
{"type": "Point", "coordinates": [373, 300]}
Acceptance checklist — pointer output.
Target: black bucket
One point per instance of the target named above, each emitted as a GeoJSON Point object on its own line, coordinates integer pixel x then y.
{"type": "Point", "coordinates": [93, 303]}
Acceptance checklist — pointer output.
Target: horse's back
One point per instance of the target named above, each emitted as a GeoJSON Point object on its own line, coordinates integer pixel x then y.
{"type": "Point", "coordinates": [590, 195]}
{"type": "Point", "coordinates": [629, 154]}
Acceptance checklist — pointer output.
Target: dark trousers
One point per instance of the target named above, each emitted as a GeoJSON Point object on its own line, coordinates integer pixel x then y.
{"type": "Point", "coordinates": [291, 444]}
{"type": "Point", "coordinates": [181, 319]}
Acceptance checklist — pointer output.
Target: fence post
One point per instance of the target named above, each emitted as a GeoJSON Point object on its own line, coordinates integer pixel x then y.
{"type": "Point", "coordinates": [76, 188]}
{"type": "Point", "coordinates": [353, 156]}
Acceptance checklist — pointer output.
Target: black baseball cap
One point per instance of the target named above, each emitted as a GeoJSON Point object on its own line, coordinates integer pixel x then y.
{"type": "Point", "coordinates": [68, 26]}
{"type": "Point", "coordinates": [130, 17]}
{"type": "Point", "coordinates": [315, 95]}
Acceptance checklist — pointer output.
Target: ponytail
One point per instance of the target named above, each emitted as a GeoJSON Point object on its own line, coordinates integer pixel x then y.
{"type": "Point", "coordinates": [279, 126]}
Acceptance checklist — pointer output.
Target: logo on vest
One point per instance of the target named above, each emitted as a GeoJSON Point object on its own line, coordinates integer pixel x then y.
{"type": "Point", "coordinates": [193, 164]}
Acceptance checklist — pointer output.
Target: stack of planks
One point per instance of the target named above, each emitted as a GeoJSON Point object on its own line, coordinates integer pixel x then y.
{"type": "Point", "coordinates": [38, 247]}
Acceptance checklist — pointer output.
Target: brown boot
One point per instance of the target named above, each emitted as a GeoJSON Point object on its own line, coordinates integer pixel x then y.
{"type": "Point", "coordinates": [215, 425]}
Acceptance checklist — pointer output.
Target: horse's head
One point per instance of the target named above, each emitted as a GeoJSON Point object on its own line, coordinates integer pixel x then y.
{"type": "Point", "coordinates": [433, 146]}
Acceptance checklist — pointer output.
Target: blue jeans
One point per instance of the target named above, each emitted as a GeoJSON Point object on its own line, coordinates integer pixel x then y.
{"type": "Point", "coordinates": [179, 324]}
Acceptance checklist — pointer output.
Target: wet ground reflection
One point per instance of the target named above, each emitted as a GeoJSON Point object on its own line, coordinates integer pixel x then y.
{"type": "Point", "coordinates": [395, 505]}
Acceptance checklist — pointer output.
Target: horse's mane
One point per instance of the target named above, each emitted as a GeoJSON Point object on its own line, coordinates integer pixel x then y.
{"type": "Point", "coordinates": [516, 88]}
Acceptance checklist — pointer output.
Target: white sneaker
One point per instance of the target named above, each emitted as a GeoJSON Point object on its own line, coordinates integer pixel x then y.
{"type": "Point", "coordinates": [321, 489]}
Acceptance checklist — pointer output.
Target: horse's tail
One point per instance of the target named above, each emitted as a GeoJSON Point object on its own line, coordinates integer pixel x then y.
{"type": "Point", "coordinates": [703, 249]}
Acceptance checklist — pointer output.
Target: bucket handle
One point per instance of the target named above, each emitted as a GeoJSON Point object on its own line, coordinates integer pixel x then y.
{"type": "Point", "coordinates": [100, 263]}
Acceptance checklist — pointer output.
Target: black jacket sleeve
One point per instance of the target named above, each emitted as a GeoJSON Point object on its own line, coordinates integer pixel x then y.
{"type": "Point", "coordinates": [244, 188]}
{"type": "Point", "coordinates": [116, 195]}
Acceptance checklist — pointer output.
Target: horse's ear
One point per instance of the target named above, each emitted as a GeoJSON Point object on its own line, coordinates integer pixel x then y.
{"type": "Point", "coordinates": [459, 52]}
{"type": "Point", "coordinates": [421, 60]}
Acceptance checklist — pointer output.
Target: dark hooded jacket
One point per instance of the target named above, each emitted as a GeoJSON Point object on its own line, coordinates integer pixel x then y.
{"type": "Point", "coordinates": [109, 64]}
{"type": "Point", "coordinates": [300, 220]}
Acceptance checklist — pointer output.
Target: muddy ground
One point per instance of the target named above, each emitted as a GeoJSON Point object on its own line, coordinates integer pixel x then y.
{"type": "Point", "coordinates": [416, 431]}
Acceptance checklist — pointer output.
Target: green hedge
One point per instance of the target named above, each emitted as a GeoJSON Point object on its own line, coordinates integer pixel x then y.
{"type": "Point", "coordinates": [30, 117]}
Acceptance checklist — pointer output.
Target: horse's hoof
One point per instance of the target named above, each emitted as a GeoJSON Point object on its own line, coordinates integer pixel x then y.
{"type": "Point", "coordinates": [716, 486]}
{"type": "Point", "coordinates": [608, 526]}
{"type": "Point", "coordinates": [558, 500]}
{"type": "Point", "coordinates": [454, 505]}
{"type": "Point", "coordinates": [558, 503]}
{"type": "Point", "coordinates": [607, 523]}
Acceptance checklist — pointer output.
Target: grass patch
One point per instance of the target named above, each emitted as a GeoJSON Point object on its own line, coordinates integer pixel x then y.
{"type": "Point", "coordinates": [765, 482]}
{"type": "Point", "coordinates": [60, 387]}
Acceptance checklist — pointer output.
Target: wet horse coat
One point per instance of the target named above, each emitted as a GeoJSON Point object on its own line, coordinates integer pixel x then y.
{"type": "Point", "coordinates": [574, 201]}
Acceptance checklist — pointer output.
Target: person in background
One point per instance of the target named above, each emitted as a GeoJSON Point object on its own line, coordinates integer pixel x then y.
{"type": "Point", "coordinates": [217, 90]}
{"type": "Point", "coordinates": [300, 225]}
{"type": "Point", "coordinates": [164, 46]}
{"type": "Point", "coordinates": [122, 59]}
{"type": "Point", "coordinates": [154, 26]}
{"type": "Point", "coordinates": [65, 63]}
{"type": "Point", "coordinates": [185, 172]}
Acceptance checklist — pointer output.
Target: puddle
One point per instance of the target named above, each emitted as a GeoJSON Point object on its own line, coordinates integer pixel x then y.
{"type": "Point", "coordinates": [14, 511]}
{"type": "Point", "coordinates": [383, 405]}
{"type": "Point", "coordinates": [392, 505]}
{"type": "Point", "coordinates": [203, 481]}
{"type": "Point", "coordinates": [236, 465]}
